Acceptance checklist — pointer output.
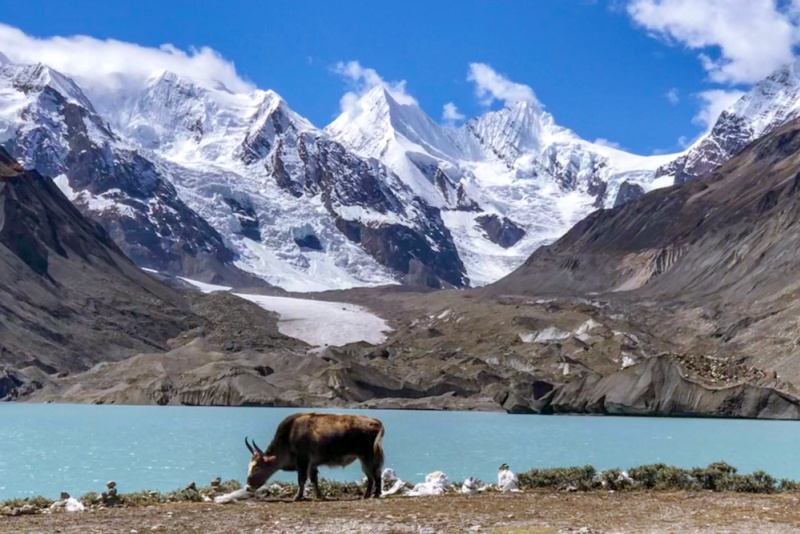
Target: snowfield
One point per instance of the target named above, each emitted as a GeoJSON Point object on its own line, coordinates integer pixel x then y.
{"type": "Point", "coordinates": [318, 323]}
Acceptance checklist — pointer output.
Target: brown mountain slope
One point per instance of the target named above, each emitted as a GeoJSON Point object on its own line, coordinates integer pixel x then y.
{"type": "Point", "coordinates": [68, 296]}
{"type": "Point", "coordinates": [732, 237]}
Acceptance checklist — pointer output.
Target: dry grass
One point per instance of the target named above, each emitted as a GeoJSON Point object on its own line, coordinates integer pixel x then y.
{"type": "Point", "coordinates": [533, 511]}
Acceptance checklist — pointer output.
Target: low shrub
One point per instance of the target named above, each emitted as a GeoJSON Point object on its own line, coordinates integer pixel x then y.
{"type": "Point", "coordinates": [755, 482]}
{"type": "Point", "coordinates": [561, 478]}
{"type": "Point", "coordinates": [615, 480]}
{"type": "Point", "coordinates": [329, 488]}
{"type": "Point", "coordinates": [89, 498]}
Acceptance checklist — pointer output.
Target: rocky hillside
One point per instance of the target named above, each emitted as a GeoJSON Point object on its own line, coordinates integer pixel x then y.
{"type": "Point", "coordinates": [66, 288]}
{"type": "Point", "coordinates": [70, 299]}
{"type": "Point", "coordinates": [683, 302]}
{"type": "Point", "coordinates": [710, 267]}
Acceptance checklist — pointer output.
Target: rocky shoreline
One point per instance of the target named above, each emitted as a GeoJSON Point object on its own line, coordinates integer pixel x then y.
{"type": "Point", "coordinates": [716, 477]}
{"type": "Point", "coordinates": [652, 498]}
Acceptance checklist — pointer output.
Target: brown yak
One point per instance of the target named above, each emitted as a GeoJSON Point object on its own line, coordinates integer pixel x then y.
{"type": "Point", "coordinates": [305, 441]}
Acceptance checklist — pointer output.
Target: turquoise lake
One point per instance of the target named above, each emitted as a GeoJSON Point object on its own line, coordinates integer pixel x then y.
{"type": "Point", "coordinates": [49, 448]}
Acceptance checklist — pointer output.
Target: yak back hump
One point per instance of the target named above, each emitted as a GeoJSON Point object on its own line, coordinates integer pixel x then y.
{"type": "Point", "coordinates": [334, 439]}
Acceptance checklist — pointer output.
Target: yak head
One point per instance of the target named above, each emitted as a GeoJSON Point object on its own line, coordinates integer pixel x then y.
{"type": "Point", "coordinates": [262, 466]}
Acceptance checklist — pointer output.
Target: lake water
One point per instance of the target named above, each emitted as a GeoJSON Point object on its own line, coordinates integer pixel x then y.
{"type": "Point", "coordinates": [49, 448]}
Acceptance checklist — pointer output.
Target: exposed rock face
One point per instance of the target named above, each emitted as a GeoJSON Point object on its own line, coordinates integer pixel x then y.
{"type": "Point", "coordinates": [656, 387]}
{"type": "Point", "coordinates": [707, 237]}
{"type": "Point", "coordinates": [500, 230]}
{"type": "Point", "coordinates": [627, 193]}
{"type": "Point", "coordinates": [371, 208]}
{"type": "Point", "coordinates": [730, 134]}
{"type": "Point", "coordinates": [770, 104]}
{"type": "Point", "coordinates": [247, 217]}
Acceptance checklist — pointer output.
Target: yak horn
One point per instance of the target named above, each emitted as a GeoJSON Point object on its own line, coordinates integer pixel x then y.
{"type": "Point", "coordinates": [249, 447]}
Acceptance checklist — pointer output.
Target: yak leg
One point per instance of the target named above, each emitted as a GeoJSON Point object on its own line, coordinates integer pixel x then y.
{"type": "Point", "coordinates": [313, 474]}
{"type": "Point", "coordinates": [302, 474]}
{"type": "Point", "coordinates": [377, 488]}
{"type": "Point", "coordinates": [371, 483]}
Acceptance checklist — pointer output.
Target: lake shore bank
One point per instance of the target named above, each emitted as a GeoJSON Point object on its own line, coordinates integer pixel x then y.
{"type": "Point", "coordinates": [537, 511]}
{"type": "Point", "coordinates": [651, 498]}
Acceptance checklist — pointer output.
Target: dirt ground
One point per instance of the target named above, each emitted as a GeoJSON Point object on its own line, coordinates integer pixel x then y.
{"type": "Point", "coordinates": [535, 512]}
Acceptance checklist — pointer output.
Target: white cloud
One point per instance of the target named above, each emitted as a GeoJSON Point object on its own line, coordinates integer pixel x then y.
{"type": "Point", "coordinates": [491, 86]}
{"type": "Point", "coordinates": [450, 114]}
{"type": "Point", "coordinates": [605, 142]}
{"type": "Point", "coordinates": [673, 96]}
{"type": "Point", "coordinates": [363, 79]}
{"type": "Point", "coordinates": [748, 38]}
{"type": "Point", "coordinates": [714, 102]}
{"type": "Point", "coordinates": [109, 65]}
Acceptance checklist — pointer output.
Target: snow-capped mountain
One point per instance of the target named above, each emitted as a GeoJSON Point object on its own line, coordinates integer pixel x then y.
{"type": "Point", "coordinates": [506, 182]}
{"type": "Point", "coordinates": [769, 104]}
{"type": "Point", "coordinates": [181, 172]}
{"type": "Point", "coordinates": [194, 179]}
{"type": "Point", "coordinates": [48, 123]}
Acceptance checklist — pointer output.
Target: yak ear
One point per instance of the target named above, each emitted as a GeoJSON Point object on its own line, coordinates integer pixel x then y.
{"type": "Point", "coordinates": [270, 459]}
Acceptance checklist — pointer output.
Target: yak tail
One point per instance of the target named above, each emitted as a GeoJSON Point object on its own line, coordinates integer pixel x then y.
{"type": "Point", "coordinates": [377, 448]}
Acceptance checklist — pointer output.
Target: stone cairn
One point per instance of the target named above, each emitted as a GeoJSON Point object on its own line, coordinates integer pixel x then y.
{"type": "Point", "coordinates": [109, 497]}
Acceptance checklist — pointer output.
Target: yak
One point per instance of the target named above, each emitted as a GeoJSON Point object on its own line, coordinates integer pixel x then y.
{"type": "Point", "coordinates": [305, 441]}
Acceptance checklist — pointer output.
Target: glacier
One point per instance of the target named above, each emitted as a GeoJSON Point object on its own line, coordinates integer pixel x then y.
{"type": "Point", "coordinates": [192, 178]}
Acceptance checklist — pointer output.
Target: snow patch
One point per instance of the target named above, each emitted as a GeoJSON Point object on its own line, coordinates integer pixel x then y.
{"type": "Point", "coordinates": [320, 323]}
{"type": "Point", "coordinates": [202, 286]}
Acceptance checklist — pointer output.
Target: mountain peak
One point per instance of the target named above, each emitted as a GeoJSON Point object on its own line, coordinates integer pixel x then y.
{"type": "Point", "coordinates": [379, 118]}
{"type": "Point", "coordinates": [522, 127]}
{"type": "Point", "coordinates": [34, 78]}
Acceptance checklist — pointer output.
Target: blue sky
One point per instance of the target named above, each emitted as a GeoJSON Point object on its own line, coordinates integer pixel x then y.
{"type": "Point", "coordinates": [640, 73]}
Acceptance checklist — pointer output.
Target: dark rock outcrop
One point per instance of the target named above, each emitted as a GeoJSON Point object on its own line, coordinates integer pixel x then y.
{"type": "Point", "coordinates": [408, 236]}
{"type": "Point", "coordinates": [304, 237]}
{"type": "Point", "coordinates": [628, 192]}
{"type": "Point", "coordinates": [500, 230]}
{"type": "Point", "coordinates": [247, 217]}
{"type": "Point", "coordinates": [657, 387]}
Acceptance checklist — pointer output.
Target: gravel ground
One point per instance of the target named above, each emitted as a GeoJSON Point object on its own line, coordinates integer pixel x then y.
{"type": "Point", "coordinates": [536, 512]}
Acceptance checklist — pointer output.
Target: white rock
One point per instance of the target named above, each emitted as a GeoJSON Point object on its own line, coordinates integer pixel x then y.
{"type": "Point", "coordinates": [396, 488]}
{"type": "Point", "coordinates": [470, 486]}
{"type": "Point", "coordinates": [507, 480]}
{"type": "Point", "coordinates": [231, 497]}
{"type": "Point", "coordinates": [388, 475]}
{"type": "Point", "coordinates": [436, 483]}
{"type": "Point", "coordinates": [74, 505]}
